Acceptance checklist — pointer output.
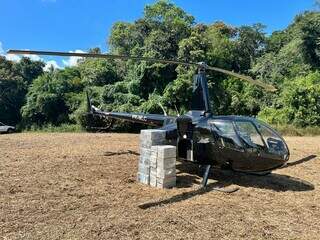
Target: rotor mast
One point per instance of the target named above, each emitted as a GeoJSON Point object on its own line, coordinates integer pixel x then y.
{"type": "Point", "coordinates": [200, 92]}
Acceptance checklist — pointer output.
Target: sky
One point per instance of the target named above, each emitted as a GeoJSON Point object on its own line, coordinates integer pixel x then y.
{"type": "Point", "coordinates": [77, 25]}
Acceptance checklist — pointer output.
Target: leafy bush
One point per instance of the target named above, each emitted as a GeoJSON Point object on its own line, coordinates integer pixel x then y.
{"type": "Point", "coordinates": [299, 103]}
{"type": "Point", "coordinates": [52, 128]}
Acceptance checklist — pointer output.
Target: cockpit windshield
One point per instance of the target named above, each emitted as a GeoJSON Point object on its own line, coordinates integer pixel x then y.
{"type": "Point", "coordinates": [249, 133]}
{"type": "Point", "coordinates": [274, 142]}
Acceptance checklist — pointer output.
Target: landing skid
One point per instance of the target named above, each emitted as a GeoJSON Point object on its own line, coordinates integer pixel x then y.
{"type": "Point", "coordinates": [205, 176]}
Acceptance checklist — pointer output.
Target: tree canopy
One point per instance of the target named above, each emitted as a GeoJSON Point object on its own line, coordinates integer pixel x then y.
{"type": "Point", "coordinates": [288, 59]}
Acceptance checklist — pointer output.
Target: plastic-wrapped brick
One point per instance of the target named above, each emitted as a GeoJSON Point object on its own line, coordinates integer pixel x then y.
{"type": "Point", "coordinates": [143, 178]}
{"type": "Point", "coordinates": [144, 169]}
{"type": "Point", "coordinates": [166, 173]}
{"type": "Point", "coordinates": [168, 182]}
{"type": "Point", "coordinates": [166, 151]}
{"type": "Point", "coordinates": [153, 177]}
{"type": "Point", "coordinates": [151, 137]}
{"type": "Point", "coordinates": [166, 163]}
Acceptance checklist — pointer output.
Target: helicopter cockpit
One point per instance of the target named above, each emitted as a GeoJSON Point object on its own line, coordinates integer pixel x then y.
{"type": "Point", "coordinates": [250, 136]}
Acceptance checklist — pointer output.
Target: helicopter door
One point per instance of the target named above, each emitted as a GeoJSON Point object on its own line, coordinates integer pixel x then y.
{"type": "Point", "coordinates": [228, 148]}
{"type": "Point", "coordinates": [185, 138]}
{"type": "Point", "coordinates": [254, 146]}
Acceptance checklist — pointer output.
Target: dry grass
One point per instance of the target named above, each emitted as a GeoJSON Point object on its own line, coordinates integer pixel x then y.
{"type": "Point", "coordinates": [65, 186]}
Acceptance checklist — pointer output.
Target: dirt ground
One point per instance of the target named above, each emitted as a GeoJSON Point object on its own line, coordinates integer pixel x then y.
{"type": "Point", "coordinates": [71, 186]}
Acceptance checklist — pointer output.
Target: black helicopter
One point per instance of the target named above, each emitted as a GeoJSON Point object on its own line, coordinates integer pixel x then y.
{"type": "Point", "coordinates": [240, 143]}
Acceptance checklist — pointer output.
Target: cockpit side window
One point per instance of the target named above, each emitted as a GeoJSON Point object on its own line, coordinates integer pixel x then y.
{"type": "Point", "coordinates": [227, 136]}
{"type": "Point", "coordinates": [249, 134]}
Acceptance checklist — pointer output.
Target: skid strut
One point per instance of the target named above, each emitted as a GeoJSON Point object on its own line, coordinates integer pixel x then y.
{"type": "Point", "coordinates": [205, 176]}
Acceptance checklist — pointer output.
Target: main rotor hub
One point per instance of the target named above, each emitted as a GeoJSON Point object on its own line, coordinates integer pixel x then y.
{"type": "Point", "coordinates": [202, 66]}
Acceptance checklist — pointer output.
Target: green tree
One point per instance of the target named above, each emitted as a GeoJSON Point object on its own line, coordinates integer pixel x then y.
{"type": "Point", "coordinates": [52, 97]}
{"type": "Point", "coordinates": [299, 103]}
{"type": "Point", "coordinates": [98, 72]}
{"type": "Point", "coordinates": [309, 25]}
{"type": "Point", "coordinates": [157, 34]}
{"type": "Point", "coordinates": [14, 81]}
{"type": "Point", "coordinates": [250, 44]}
{"type": "Point", "coordinates": [12, 92]}
{"type": "Point", "coordinates": [28, 69]}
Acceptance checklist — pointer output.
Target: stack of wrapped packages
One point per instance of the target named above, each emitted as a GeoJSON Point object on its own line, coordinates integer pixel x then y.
{"type": "Point", "coordinates": [157, 164]}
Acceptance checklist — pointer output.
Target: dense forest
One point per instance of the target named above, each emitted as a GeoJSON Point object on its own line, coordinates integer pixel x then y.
{"type": "Point", "coordinates": [289, 59]}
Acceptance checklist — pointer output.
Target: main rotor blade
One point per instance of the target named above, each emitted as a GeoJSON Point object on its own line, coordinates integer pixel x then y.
{"type": "Point", "coordinates": [123, 57]}
{"type": "Point", "coordinates": [244, 77]}
{"type": "Point", "coordinates": [98, 55]}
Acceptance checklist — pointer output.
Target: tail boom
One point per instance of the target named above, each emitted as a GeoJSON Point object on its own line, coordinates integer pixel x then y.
{"type": "Point", "coordinates": [156, 120]}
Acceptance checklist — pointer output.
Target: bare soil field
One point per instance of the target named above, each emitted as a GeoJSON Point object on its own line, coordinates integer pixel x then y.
{"type": "Point", "coordinates": [83, 186]}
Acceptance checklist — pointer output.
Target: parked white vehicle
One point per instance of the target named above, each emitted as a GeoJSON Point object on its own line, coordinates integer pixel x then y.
{"type": "Point", "coordinates": [6, 129]}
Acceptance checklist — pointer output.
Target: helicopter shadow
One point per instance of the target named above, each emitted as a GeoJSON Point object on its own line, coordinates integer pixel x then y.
{"type": "Point", "coordinates": [188, 175]}
{"type": "Point", "coordinates": [108, 153]}
{"type": "Point", "coordinates": [182, 196]}
{"type": "Point", "coordinates": [272, 181]}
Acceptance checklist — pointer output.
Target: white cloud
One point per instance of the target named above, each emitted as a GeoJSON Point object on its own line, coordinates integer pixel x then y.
{"type": "Point", "coordinates": [33, 57]}
{"type": "Point", "coordinates": [17, 58]}
{"type": "Point", "coordinates": [12, 57]}
{"type": "Point", "coordinates": [72, 61]}
{"type": "Point", "coordinates": [51, 63]}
